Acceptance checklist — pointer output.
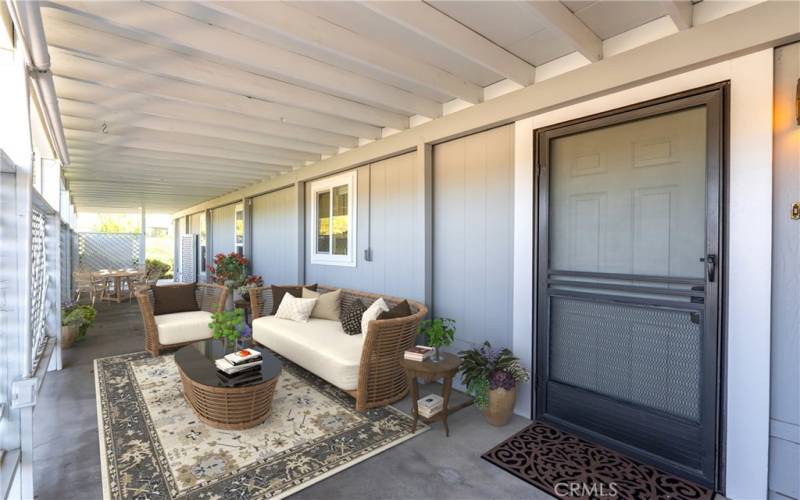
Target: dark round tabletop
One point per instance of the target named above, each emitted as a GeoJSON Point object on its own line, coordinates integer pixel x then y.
{"type": "Point", "coordinates": [197, 362]}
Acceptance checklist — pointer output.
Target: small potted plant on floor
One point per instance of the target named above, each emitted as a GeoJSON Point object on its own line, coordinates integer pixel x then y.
{"type": "Point", "coordinates": [491, 376]}
{"type": "Point", "coordinates": [439, 332]}
{"type": "Point", "coordinates": [231, 327]}
{"type": "Point", "coordinates": [75, 322]}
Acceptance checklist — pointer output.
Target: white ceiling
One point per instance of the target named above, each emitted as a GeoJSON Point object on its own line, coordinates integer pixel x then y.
{"type": "Point", "coordinates": [169, 104]}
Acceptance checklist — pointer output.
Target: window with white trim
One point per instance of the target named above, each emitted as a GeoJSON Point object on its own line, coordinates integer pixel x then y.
{"type": "Point", "coordinates": [333, 220]}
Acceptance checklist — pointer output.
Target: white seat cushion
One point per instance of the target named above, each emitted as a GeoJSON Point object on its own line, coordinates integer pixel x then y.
{"type": "Point", "coordinates": [181, 327]}
{"type": "Point", "coordinates": [320, 346]}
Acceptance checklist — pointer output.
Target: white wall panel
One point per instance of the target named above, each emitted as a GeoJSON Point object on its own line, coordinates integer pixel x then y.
{"type": "Point", "coordinates": [222, 230]}
{"type": "Point", "coordinates": [473, 218]}
{"type": "Point", "coordinates": [274, 237]}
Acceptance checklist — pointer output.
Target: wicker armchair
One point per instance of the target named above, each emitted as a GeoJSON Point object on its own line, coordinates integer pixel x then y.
{"type": "Point", "coordinates": [210, 298]}
{"type": "Point", "coordinates": [381, 380]}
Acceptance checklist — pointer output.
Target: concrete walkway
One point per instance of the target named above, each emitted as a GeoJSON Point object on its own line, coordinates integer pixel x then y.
{"type": "Point", "coordinates": [67, 458]}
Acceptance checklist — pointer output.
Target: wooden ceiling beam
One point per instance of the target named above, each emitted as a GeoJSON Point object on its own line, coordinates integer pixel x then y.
{"type": "Point", "coordinates": [164, 25]}
{"type": "Point", "coordinates": [123, 135]}
{"type": "Point", "coordinates": [436, 26]}
{"type": "Point", "coordinates": [200, 130]}
{"type": "Point", "coordinates": [205, 117]}
{"type": "Point", "coordinates": [357, 52]}
{"type": "Point", "coordinates": [138, 55]}
{"type": "Point", "coordinates": [561, 20]}
{"type": "Point", "coordinates": [681, 12]}
{"type": "Point", "coordinates": [126, 90]}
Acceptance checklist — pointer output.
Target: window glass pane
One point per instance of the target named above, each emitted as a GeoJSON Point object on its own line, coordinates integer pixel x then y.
{"type": "Point", "coordinates": [323, 222]}
{"type": "Point", "coordinates": [341, 220]}
{"type": "Point", "coordinates": [239, 225]}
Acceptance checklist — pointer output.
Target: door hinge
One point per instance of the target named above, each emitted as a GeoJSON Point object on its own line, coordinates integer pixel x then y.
{"type": "Point", "coordinates": [538, 169]}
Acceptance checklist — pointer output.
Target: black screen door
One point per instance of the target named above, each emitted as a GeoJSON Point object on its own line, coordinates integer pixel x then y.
{"type": "Point", "coordinates": [629, 232]}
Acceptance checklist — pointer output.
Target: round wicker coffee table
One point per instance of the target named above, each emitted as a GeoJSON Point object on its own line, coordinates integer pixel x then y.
{"type": "Point", "coordinates": [211, 395]}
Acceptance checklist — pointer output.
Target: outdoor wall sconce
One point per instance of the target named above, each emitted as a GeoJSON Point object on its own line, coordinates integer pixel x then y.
{"type": "Point", "coordinates": [797, 100]}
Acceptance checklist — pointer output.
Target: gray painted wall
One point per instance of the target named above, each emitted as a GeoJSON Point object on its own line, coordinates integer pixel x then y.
{"type": "Point", "coordinates": [389, 208]}
{"type": "Point", "coordinates": [784, 472]}
{"type": "Point", "coordinates": [473, 219]}
{"type": "Point", "coordinates": [222, 230]}
{"type": "Point", "coordinates": [274, 236]}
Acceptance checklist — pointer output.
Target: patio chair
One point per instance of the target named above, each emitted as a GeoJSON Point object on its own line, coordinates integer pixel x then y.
{"type": "Point", "coordinates": [168, 331]}
{"type": "Point", "coordinates": [84, 282]}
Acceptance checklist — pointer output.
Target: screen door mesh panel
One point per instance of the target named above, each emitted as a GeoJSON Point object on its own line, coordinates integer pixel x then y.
{"type": "Point", "coordinates": [641, 355]}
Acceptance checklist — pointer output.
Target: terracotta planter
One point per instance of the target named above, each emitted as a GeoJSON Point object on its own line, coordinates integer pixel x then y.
{"type": "Point", "coordinates": [501, 406]}
{"type": "Point", "coordinates": [69, 334]}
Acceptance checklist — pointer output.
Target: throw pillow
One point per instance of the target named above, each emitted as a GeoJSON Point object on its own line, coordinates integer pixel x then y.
{"type": "Point", "coordinates": [328, 304]}
{"type": "Point", "coordinates": [401, 310]}
{"type": "Point", "coordinates": [279, 291]}
{"type": "Point", "coordinates": [351, 317]}
{"type": "Point", "coordinates": [295, 309]}
{"type": "Point", "coordinates": [372, 313]}
{"type": "Point", "coordinates": [170, 299]}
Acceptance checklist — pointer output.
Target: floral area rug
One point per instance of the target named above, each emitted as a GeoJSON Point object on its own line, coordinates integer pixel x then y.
{"type": "Point", "coordinates": [153, 446]}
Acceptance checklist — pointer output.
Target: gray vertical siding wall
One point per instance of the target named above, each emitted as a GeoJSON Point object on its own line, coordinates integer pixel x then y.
{"type": "Point", "coordinates": [784, 453]}
{"type": "Point", "coordinates": [222, 230]}
{"type": "Point", "coordinates": [389, 209]}
{"type": "Point", "coordinates": [473, 216]}
{"type": "Point", "coordinates": [274, 236]}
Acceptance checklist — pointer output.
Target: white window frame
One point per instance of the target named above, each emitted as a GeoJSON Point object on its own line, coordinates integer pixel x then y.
{"type": "Point", "coordinates": [350, 179]}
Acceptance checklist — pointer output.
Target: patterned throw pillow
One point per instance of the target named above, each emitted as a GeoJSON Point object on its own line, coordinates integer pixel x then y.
{"type": "Point", "coordinates": [295, 309]}
{"type": "Point", "coordinates": [351, 317]}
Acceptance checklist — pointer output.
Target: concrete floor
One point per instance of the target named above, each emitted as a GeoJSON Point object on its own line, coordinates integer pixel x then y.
{"type": "Point", "coordinates": [67, 459]}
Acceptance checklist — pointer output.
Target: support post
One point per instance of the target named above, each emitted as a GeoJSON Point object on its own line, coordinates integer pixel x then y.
{"type": "Point", "coordinates": [143, 238]}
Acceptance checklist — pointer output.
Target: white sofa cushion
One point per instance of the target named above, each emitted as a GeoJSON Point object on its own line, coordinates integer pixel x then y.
{"type": "Point", "coordinates": [320, 346]}
{"type": "Point", "coordinates": [372, 313]}
{"type": "Point", "coordinates": [295, 309]}
{"type": "Point", "coordinates": [181, 327]}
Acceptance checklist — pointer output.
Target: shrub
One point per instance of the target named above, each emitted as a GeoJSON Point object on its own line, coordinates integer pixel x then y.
{"type": "Point", "coordinates": [81, 315]}
{"type": "Point", "coordinates": [155, 264]}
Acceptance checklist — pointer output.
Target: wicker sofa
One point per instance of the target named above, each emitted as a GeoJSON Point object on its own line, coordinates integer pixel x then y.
{"type": "Point", "coordinates": [168, 331]}
{"type": "Point", "coordinates": [366, 367]}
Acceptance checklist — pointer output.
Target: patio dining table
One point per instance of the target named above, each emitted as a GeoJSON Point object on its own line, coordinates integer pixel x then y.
{"type": "Point", "coordinates": [117, 276]}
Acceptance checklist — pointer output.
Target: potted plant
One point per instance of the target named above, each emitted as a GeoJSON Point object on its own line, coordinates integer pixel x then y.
{"type": "Point", "coordinates": [75, 322]}
{"type": "Point", "coordinates": [439, 332]}
{"type": "Point", "coordinates": [231, 271]}
{"type": "Point", "coordinates": [252, 281]}
{"type": "Point", "coordinates": [231, 327]}
{"type": "Point", "coordinates": [491, 376]}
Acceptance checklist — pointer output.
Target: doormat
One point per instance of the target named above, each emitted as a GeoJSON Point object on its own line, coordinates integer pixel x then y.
{"type": "Point", "coordinates": [567, 466]}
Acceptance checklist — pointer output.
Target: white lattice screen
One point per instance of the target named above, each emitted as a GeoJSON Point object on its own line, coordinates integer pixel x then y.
{"type": "Point", "coordinates": [107, 250]}
{"type": "Point", "coordinates": [39, 283]}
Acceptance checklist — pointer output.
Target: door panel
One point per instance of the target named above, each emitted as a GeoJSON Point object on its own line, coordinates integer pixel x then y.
{"type": "Point", "coordinates": [628, 342]}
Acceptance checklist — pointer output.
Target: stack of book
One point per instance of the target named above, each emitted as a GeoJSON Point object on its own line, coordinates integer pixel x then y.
{"type": "Point", "coordinates": [240, 362]}
{"type": "Point", "coordinates": [418, 353]}
{"type": "Point", "coordinates": [430, 405]}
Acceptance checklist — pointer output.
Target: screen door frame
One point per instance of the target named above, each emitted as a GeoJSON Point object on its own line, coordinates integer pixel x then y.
{"type": "Point", "coordinates": [714, 98]}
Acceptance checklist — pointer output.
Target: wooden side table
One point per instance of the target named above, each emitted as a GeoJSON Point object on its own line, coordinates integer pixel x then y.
{"type": "Point", "coordinates": [244, 304]}
{"type": "Point", "coordinates": [430, 371]}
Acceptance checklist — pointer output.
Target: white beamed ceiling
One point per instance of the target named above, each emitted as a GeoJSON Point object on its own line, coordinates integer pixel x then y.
{"type": "Point", "coordinates": [168, 104]}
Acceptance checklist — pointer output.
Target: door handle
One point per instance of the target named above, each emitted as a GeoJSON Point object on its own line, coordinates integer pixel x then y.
{"type": "Point", "coordinates": [711, 266]}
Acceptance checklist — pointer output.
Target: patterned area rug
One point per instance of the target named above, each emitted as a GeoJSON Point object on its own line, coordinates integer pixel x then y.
{"type": "Point", "coordinates": [153, 446]}
{"type": "Point", "coordinates": [569, 467]}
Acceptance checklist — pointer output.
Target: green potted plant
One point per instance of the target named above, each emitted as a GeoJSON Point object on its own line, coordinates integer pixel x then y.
{"type": "Point", "coordinates": [75, 322]}
{"type": "Point", "coordinates": [231, 327]}
{"type": "Point", "coordinates": [491, 376]}
{"type": "Point", "coordinates": [439, 332]}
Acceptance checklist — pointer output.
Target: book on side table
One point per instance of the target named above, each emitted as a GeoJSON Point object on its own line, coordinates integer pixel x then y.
{"type": "Point", "coordinates": [418, 353]}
